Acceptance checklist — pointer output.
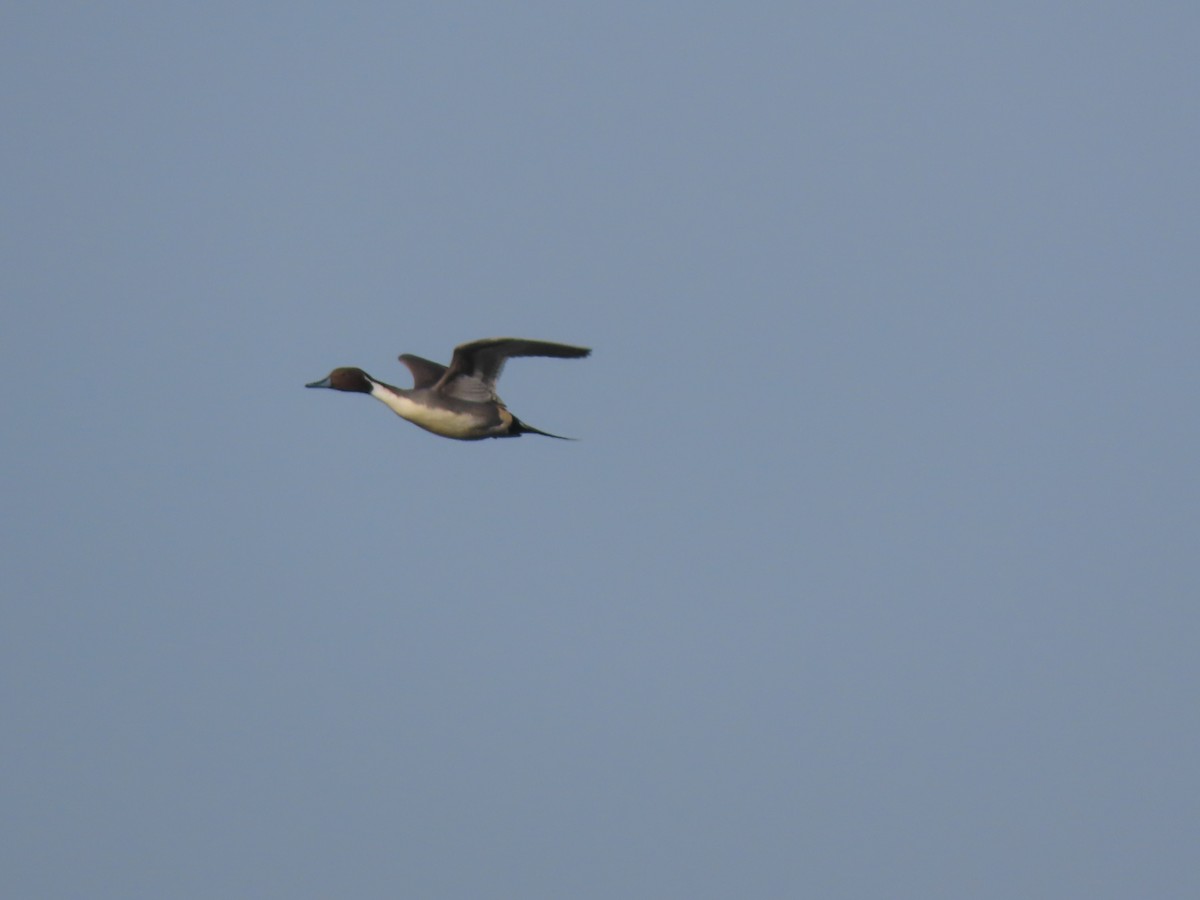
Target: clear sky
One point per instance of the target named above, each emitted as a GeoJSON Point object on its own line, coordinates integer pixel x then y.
{"type": "Point", "coordinates": [875, 570]}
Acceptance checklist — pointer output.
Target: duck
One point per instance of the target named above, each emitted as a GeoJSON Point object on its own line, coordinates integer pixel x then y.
{"type": "Point", "coordinates": [458, 401]}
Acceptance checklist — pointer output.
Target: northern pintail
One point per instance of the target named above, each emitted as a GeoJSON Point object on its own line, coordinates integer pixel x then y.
{"type": "Point", "coordinates": [457, 401]}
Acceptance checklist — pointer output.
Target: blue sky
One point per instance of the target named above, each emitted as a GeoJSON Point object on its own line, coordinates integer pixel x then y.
{"type": "Point", "coordinates": [873, 574]}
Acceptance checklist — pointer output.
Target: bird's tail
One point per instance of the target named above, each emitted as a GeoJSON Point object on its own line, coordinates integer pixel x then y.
{"type": "Point", "coordinates": [519, 428]}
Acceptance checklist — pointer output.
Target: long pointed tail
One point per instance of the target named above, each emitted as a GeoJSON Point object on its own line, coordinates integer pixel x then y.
{"type": "Point", "coordinates": [519, 428]}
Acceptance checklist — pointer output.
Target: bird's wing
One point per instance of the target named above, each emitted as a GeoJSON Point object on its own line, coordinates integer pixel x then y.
{"type": "Point", "coordinates": [476, 366]}
{"type": "Point", "coordinates": [425, 372]}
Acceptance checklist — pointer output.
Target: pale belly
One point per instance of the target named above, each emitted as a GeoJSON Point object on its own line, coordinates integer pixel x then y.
{"type": "Point", "coordinates": [445, 422]}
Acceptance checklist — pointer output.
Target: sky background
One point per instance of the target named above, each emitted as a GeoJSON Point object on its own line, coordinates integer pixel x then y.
{"type": "Point", "coordinates": [875, 570]}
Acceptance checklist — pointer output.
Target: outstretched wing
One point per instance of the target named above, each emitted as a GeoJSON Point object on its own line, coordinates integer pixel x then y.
{"type": "Point", "coordinates": [476, 366]}
{"type": "Point", "coordinates": [425, 372]}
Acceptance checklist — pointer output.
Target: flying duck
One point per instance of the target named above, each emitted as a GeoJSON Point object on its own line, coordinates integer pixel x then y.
{"type": "Point", "coordinates": [457, 401]}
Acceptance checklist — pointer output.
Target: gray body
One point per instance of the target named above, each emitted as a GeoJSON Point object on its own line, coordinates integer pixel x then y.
{"type": "Point", "coordinates": [457, 401]}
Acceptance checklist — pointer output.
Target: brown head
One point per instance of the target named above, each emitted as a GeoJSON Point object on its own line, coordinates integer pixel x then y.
{"type": "Point", "coordinates": [352, 380]}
